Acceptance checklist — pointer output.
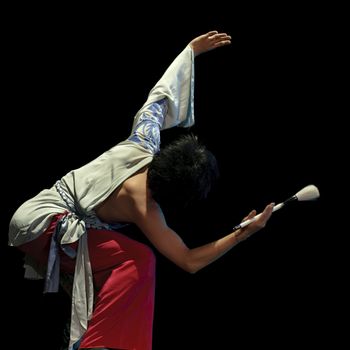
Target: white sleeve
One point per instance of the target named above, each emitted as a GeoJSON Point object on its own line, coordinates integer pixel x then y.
{"type": "Point", "coordinates": [177, 85]}
{"type": "Point", "coordinates": [146, 132]}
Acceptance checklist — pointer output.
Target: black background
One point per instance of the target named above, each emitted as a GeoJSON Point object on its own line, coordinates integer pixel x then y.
{"type": "Point", "coordinates": [264, 105]}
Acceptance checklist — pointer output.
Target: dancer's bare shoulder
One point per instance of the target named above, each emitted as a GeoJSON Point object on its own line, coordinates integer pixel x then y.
{"type": "Point", "coordinates": [130, 200]}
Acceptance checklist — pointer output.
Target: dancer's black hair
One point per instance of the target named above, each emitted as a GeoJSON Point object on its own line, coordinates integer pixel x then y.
{"type": "Point", "coordinates": [182, 172]}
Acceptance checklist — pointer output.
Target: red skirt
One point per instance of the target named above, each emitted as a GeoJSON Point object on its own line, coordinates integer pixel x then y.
{"type": "Point", "coordinates": [124, 277]}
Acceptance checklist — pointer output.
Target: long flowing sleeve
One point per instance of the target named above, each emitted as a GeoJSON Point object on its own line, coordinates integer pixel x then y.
{"type": "Point", "coordinates": [177, 86]}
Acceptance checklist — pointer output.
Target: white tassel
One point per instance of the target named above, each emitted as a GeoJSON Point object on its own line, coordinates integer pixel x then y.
{"type": "Point", "coordinates": [308, 193]}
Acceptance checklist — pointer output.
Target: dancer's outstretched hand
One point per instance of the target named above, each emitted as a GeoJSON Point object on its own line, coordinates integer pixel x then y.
{"type": "Point", "coordinates": [257, 225]}
{"type": "Point", "coordinates": [209, 41]}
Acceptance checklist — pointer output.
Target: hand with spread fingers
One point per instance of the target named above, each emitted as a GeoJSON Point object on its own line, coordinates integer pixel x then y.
{"type": "Point", "coordinates": [244, 233]}
{"type": "Point", "coordinates": [209, 41]}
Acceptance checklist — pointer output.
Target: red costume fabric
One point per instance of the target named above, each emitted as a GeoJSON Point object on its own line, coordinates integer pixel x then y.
{"type": "Point", "coordinates": [124, 277]}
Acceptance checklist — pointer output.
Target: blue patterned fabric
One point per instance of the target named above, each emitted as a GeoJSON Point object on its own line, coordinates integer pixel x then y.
{"type": "Point", "coordinates": [147, 130]}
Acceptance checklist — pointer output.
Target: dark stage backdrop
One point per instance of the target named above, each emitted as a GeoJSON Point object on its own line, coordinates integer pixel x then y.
{"type": "Point", "coordinates": [76, 81]}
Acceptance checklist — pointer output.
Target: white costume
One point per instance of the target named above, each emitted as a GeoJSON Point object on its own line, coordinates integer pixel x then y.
{"type": "Point", "coordinates": [81, 190]}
